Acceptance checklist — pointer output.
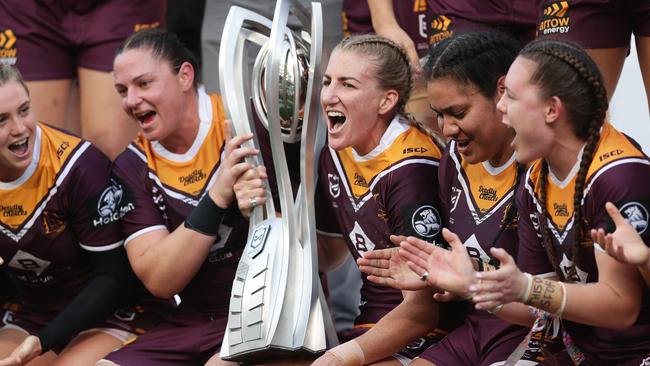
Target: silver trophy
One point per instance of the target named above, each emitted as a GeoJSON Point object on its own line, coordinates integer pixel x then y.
{"type": "Point", "coordinates": [277, 304]}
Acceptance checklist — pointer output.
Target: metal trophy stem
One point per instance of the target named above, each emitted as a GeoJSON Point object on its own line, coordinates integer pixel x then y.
{"type": "Point", "coordinates": [277, 303]}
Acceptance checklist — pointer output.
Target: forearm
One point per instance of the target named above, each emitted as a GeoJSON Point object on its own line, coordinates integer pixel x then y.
{"type": "Point", "coordinates": [382, 15]}
{"type": "Point", "coordinates": [156, 259]}
{"type": "Point", "coordinates": [93, 303]}
{"type": "Point", "coordinates": [413, 318]}
{"type": "Point", "coordinates": [599, 304]}
{"type": "Point", "coordinates": [516, 313]}
{"type": "Point", "coordinates": [332, 252]}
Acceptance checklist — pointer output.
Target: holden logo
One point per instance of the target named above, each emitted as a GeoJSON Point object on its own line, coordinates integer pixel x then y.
{"type": "Point", "coordinates": [426, 221]}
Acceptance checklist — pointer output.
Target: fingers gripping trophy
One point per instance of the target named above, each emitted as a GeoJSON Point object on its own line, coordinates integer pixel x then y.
{"type": "Point", "coordinates": [277, 303]}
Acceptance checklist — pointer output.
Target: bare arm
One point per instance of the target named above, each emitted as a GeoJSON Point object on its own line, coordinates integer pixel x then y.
{"type": "Point", "coordinates": [613, 302]}
{"type": "Point", "coordinates": [386, 25]}
{"type": "Point", "coordinates": [332, 252]}
{"type": "Point", "coordinates": [157, 256]}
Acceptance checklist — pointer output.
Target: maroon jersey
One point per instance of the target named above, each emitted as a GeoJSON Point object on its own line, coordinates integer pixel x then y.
{"type": "Point", "coordinates": [161, 189]}
{"type": "Point", "coordinates": [411, 15]}
{"type": "Point", "coordinates": [63, 205]}
{"type": "Point", "coordinates": [391, 190]}
{"type": "Point", "coordinates": [618, 173]}
{"type": "Point", "coordinates": [475, 199]}
{"type": "Point", "coordinates": [515, 12]}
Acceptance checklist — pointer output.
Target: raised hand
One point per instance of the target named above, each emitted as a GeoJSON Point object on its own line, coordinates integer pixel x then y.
{"type": "Point", "coordinates": [449, 270]}
{"type": "Point", "coordinates": [507, 284]}
{"type": "Point", "coordinates": [624, 244]}
{"type": "Point", "coordinates": [232, 167]}
{"type": "Point", "coordinates": [386, 267]}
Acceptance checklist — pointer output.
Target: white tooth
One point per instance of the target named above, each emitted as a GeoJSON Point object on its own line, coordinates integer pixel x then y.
{"type": "Point", "coordinates": [334, 114]}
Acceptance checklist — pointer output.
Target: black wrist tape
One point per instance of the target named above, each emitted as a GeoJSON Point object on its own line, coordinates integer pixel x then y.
{"type": "Point", "coordinates": [206, 217]}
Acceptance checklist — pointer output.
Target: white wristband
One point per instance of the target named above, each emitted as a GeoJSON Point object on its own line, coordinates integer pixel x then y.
{"type": "Point", "coordinates": [350, 353]}
{"type": "Point", "coordinates": [564, 296]}
{"type": "Point", "coordinates": [529, 286]}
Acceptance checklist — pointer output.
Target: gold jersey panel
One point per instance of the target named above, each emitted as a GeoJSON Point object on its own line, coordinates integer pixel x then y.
{"type": "Point", "coordinates": [190, 177]}
{"type": "Point", "coordinates": [21, 202]}
{"type": "Point", "coordinates": [410, 144]}
{"type": "Point", "coordinates": [613, 146]}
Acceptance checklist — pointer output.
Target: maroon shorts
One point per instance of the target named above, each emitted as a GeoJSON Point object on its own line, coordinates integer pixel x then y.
{"type": "Point", "coordinates": [595, 23]}
{"type": "Point", "coordinates": [49, 40]}
{"type": "Point", "coordinates": [445, 26]}
{"type": "Point", "coordinates": [186, 339]}
{"type": "Point", "coordinates": [482, 340]}
{"type": "Point", "coordinates": [131, 319]}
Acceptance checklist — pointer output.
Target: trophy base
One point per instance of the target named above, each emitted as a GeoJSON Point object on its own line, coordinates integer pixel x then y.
{"type": "Point", "coordinates": [273, 354]}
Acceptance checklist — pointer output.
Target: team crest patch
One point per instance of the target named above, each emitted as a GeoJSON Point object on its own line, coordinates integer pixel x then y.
{"type": "Point", "coordinates": [636, 214]}
{"type": "Point", "coordinates": [426, 221]}
{"type": "Point", "coordinates": [335, 186]}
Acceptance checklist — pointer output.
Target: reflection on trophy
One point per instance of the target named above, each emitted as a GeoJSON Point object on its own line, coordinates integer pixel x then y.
{"type": "Point", "coordinates": [277, 303]}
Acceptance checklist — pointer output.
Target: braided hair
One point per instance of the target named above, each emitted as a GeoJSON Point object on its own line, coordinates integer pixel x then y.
{"type": "Point", "coordinates": [392, 68]}
{"type": "Point", "coordinates": [476, 58]}
{"type": "Point", "coordinates": [566, 71]}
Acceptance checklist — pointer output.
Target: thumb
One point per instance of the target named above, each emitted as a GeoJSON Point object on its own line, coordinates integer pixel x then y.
{"type": "Point", "coordinates": [502, 256]}
{"type": "Point", "coordinates": [451, 238]}
{"type": "Point", "coordinates": [615, 214]}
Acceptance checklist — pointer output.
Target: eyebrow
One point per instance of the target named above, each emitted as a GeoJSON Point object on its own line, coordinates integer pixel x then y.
{"type": "Point", "coordinates": [342, 78]}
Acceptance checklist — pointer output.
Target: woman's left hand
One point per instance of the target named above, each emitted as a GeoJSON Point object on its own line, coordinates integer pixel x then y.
{"type": "Point", "coordinates": [507, 284]}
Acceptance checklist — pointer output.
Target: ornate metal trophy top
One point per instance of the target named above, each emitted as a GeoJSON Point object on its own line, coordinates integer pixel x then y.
{"type": "Point", "coordinates": [277, 304]}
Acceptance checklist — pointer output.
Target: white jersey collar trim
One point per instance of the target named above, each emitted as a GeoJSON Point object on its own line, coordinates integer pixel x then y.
{"type": "Point", "coordinates": [205, 117]}
{"type": "Point", "coordinates": [36, 156]}
{"type": "Point", "coordinates": [572, 173]}
{"type": "Point", "coordinates": [396, 127]}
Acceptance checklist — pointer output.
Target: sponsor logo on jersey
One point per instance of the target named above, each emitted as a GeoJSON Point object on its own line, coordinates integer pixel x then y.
{"type": "Point", "coordinates": [488, 194]}
{"type": "Point", "coordinates": [8, 49]}
{"type": "Point", "coordinates": [636, 214]}
{"type": "Point", "coordinates": [195, 176]}
{"type": "Point", "coordinates": [108, 205]}
{"type": "Point", "coordinates": [440, 29]}
{"type": "Point", "coordinates": [645, 362]}
{"type": "Point", "coordinates": [419, 5]}
{"type": "Point", "coordinates": [426, 221]}
{"type": "Point", "coordinates": [335, 185]}
{"type": "Point", "coordinates": [62, 148]}
{"type": "Point", "coordinates": [140, 26]}
{"type": "Point", "coordinates": [53, 223]}
{"type": "Point", "coordinates": [610, 154]}
{"type": "Point", "coordinates": [12, 210]}
{"type": "Point", "coordinates": [24, 261]}
{"type": "Point", "coordinates": [411, 150]}
{"type": "Point", "coordinates": [360, 181]}
{"type": "Point", "coordinates": [555, 18]}
{"type": "Point", "coordinates": [360, 240]}
{"type": "Point", "coordinates": [561, 209]}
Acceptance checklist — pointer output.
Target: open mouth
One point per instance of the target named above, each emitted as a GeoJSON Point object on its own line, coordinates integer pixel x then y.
{"type": "Point", "coordinates": [336, 120]}
{"type": "Point", "coordinates": [20, 147]}
{"type": "Point", "coordinates": [145, 117]}
{"type": "Point", "coordinates": [462, 144]}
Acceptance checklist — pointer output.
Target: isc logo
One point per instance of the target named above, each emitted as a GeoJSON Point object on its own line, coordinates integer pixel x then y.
{"type": "Point", "coordinates": [410, 150]}
{"type": "Point", "coordinates": [610, 154]}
